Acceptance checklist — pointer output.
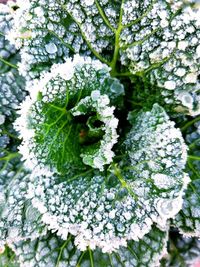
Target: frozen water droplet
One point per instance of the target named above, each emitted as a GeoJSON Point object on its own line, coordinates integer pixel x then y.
{"type": "Point", "coordinates": [120, 227]}
{"type": "Point", "coordinates": [51, 48]}
{"type": "Point", "coordinates": [2, 119]}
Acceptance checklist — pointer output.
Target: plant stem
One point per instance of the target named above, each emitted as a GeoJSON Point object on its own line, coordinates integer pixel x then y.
{"type": "Point", "coordinates": [189, 123]}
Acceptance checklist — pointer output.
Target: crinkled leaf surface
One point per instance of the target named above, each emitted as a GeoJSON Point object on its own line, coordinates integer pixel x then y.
{"type": "Point", "coordinates": [12, 92]}
{"type": "Point", "coordinates": [165, 51]}
{"type": "Point", "coordinates": [52, 251]}
{"type": "Point", "coordinates": [183, 252]}
{"type": "Point", "coordinates": [7, 50]}
{"type": "Point", "coordinates": [188, 219]}
{"type": "Point", "coordinates": [156, 40]}
{"type": "Point", "coordinates": [68, 120]}
{"type": "Point", "coordinates": [12, 85]}
{"type": "Point", "coordinates": [18, 219]}
{"type": "Point", "coordinates": [8, 258]}
{"type": "Point", "coordinates": [105, 209]}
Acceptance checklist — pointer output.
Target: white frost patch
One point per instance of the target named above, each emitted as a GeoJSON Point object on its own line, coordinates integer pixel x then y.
{"type": "Point", "coordinates": [2, 119]}
{"type": "Point", "coordinates": [170, 85]}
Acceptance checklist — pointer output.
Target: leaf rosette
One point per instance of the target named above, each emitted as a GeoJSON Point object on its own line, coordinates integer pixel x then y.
{"type": "Point", "coordinates": [68, 122]}
{"type": "Point", "coordinates": [106, 209]}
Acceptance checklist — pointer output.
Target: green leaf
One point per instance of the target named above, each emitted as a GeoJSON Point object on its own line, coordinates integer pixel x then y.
{"type": "Point", "coordinates": [154, 41]}
{"type": "Point", "coordinates": [162, 47]}
{"type": "Point", "coordinates": [11, 83]}
{"type": "Point", "coordinates": [107, 209]}
{"type": "Point", "coordinates": [8, 258]}
{"type": "Point", "coordinates": [12, 92]}
{"type": "Point", "coordinates": [192, 131]}
{"type": "Point", "coordinates": [183, 252]}
{"type": "Point", "coordinates": [188, 219]}
{"type": "Point", "coordinates": [68, 117]}
{"type": "Point", "coordinates": [53, 251]}
{"type": "Point", "coordinates": [7, 50]}
{"type": "Point", "coordinates": [18, 219]}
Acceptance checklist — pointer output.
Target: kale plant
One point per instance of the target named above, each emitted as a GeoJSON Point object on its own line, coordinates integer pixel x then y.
{"type": "Point", "coordinates": [99, 133]}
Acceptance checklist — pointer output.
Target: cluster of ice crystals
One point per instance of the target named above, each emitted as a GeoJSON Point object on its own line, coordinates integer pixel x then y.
{"type": "Point", "coordinates": [11, 84]}
{"type": "Point", "coordinates": [165, 48]}
{"type": "Point", "coordinates": [45, 38]}
{"type": "Point", "coordinates": [19, 220]}
{"type": "Point", "coordinates": [157, 155]}
{"type": "Point", "coordinates": [154, 38]}
{"type": "Point", "coordinates": [99, 103]}
{"type": "Point", "coordinates": [87, 208]}
{"type": "Point", "coordinates": [72, 83]}
{"type": "Point", "coordinates": [108, 211]}
{"type": "Point", "coordinates": [6, 49]}
{"type": "Point", "coordinates": [65, 253]}
{"type": "Point", "coordinates": [12, 92]}
{"type": "Point", "coordinates": [188, 220]}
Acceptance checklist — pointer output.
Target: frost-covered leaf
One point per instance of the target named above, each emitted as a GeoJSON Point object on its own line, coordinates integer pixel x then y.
{"type": "Point", "coordinates": [18, 219]}
{"type": "Point", "coordinates": [7, 50]}
{"type": "Point", "coordinates": [157, 40]}
{"type": "Point", "coordinates": [52, 251]}
{"type": "Point", "coordinates": [68, 120]}
{"type": "Point", "coordinates": [8, 258]}
{"type": "Point", "coordinates": [106, 209]}
{"type": "Point", "coordinates": [183, 252]}
{"type": "Point", "coordinates": [192, 132]}
{"type": "Point", "coordinates": [163, 48]}
{"type": "Point", "coordinates": [11, 84]}
{"type": "Point", "coordinates": [188, 219]}
{"type": "Point", "coordinates": [12, 92]}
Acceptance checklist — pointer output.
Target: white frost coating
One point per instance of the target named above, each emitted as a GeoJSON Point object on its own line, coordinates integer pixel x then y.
{"type": "Point", "coordinates": [170, 85]}
{"type": "Point", "coordinates": [168, 208]}
{"type": "Point", "coordinates": [88, 2]}
{"type": "Point", "coordinates": [98, 103]}
{"type": "Point", "coordinates": [66, 220]}
{"type": "Point", "coordinates": [163, 181]}
{"type": "Point", "coordinates": [178, 70]}
{"type": "Point", "coordinates": [2, 119]}
{"type": "Point", "coordinates": [154, 148]}
{"type": "Point", "coordinates": [67, 71]}
{"type": "Point", "coordinates": [198, 51]}
{"type": "Point", "coordinates": [191, 78]}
